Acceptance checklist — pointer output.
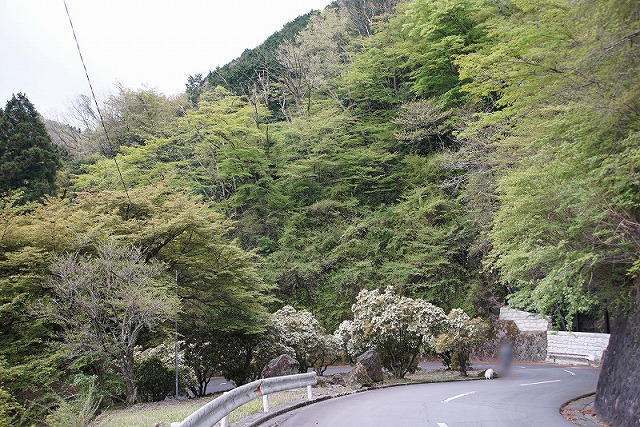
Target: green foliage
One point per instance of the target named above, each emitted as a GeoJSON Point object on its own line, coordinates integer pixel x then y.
{"type": "Point", "coordinates": [437, 33]}
{"type": "Point", "coordinates": [301, 332]}
{"type": "Point", "coordinates": [114, 291]}
{"type": "Point", "coordinates": [557, 234]}
{"type": "Point", "coordinates": [252, 70]}
{"type": "Point", "coordinates": [461, 151]}
{"type": "Point", "coordinates": [460, 334]}
{"type": "Point", "coordinates": [153, 380]}
{"type": "Point", "coordinates": [399, 328]}
{"type": "Point", "coordinates": [75, 411]}
{"type": "Point", "coordinates": [9, 408]}
{"type": "Point", "coordinates": [28, 159]}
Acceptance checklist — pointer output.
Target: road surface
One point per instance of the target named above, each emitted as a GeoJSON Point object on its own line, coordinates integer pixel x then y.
{"type": "Point", "coordinates": [530, 396]}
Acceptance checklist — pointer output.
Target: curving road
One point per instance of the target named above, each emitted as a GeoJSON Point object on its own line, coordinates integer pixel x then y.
{"type": "Point", "coordinates": [530, 396]}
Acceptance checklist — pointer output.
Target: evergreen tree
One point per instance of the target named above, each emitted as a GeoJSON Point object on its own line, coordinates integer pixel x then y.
{"type": "Point", "coordinates": [28, 158]}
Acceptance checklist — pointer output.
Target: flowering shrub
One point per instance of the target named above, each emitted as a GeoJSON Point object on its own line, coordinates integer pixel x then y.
{"type": "Point", "coordinates": [400, 328]}
{"type": "Point", "coordinates": [346, 344]}
{"type": "Point", "coordinates": [309, 343]}
{"type": "Point", "coordinates": [459, 335]}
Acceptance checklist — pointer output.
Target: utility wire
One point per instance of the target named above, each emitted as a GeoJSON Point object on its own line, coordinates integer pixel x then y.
{"type": "Point", "coordinates": [93, 94]}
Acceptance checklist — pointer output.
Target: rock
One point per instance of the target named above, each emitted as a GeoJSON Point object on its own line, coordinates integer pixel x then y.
{"type": "Point", "coordinates": [371, 361]}
{"type": "Point", "coordinates": [358, 377]}
{"type": "Point", "coordinates": [338, 379]}
{"type": "Point", "coordinates": [281, 365]}
{"type": "Point", "coordinates": [323, 382]}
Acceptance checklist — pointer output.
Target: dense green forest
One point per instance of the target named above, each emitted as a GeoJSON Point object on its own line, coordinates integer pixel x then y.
{"type": "Point", "coordinates": [466, 152]}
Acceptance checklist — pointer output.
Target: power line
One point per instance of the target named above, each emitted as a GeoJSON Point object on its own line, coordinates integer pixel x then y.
{"type": "Point", "coordinates": [93, 94]}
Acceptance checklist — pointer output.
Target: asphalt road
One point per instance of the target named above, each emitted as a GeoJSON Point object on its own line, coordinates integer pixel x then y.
{"type": "Point", "coordinates": [530, 396]}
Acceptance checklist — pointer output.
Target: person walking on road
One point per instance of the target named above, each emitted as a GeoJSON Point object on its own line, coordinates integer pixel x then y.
{"type": "Point", "coordinates": [505, 354]}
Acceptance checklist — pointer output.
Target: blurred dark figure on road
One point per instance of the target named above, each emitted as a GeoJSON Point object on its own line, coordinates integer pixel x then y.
{"type": "Point", "coordinates": [505, 354]}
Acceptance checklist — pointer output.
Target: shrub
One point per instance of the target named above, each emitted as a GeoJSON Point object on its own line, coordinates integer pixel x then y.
{"type": "Point", "coordinates": [154, 380]}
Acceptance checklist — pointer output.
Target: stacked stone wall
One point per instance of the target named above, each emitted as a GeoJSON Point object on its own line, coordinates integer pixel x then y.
{"type": "Point", "coordinates": [528, 346]}
{"type": "Point", "coordinates": [592, 345]}
{"type": "Point", "coordinates": [525, 321]}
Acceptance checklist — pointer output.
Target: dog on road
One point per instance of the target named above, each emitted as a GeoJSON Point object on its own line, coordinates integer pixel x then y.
{"type": "Point", "coordinates": [488, 374]}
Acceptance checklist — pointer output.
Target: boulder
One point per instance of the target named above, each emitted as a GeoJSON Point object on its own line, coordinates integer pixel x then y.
{"type": "Point", "coordinates": [323, 382]}
{"type": "Point", "coordinates": [371, 361]}
{"type": "Point", "coordinates": [358, 377]}
{"type": "Point", "coordinates": [338, 379]}
{"type": "Point", "coordinates": [281, 365]}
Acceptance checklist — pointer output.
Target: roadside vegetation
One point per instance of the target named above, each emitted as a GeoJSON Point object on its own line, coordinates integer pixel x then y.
{"type": "Point", "coordinates": [378, 169]}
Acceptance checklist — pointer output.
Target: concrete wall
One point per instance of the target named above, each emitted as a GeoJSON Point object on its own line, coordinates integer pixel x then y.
{"type": "Point", "coordinates": [577, 343]}
{"type": "Point", "coordinates": [526, 322]}
{"type": "Point", "coordinates": [530, 331]}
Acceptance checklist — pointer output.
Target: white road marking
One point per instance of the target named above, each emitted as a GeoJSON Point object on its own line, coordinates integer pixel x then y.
{"type": "Point", "coordinates": [442, 425]}
{"type": "Point", "coordinates": [541, 382]}
{"type": "Point", "coordinates": [458, 396]}
{"type": "Point", "coordinates": [570, 372]}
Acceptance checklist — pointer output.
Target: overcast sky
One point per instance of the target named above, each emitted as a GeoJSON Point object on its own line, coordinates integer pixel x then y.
{"type": "Point", "coordinates": [157, 43]}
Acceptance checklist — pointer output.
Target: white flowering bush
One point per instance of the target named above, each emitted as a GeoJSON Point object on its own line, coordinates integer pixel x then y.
{"type": "Point", "coordinates": [459, 334]}
{"type": "Point", "coordinates": [302, 333]}
{"type": "Point", "coordinates": [346, 344]}
{"type": "Point", "coordinates": [399, 328]}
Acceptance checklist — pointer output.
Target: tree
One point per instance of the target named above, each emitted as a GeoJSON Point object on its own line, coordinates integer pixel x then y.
{"type": "Point", "coordinates": [562, 234]}
{"type": "Point", "coordinates": [103, 303]}
{"type": "Point", "coordinates": [300, 331]}
{"type": "Point", "coordinates": [400, 328]}
{"type": "Point", "coordinates": [363, 13]}
{"type": "Point", "coordinates": [28, 159]}
{"type": "Point", "coordinates": [460, 334]}
{"type": "Point", "coordinates": [313, 58]}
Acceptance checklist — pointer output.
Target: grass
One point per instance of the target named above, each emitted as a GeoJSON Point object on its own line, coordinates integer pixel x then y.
{"type": "Point", "coordinates": [168, 411]}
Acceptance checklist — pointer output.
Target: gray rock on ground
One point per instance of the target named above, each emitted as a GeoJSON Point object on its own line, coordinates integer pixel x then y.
{"type": "Point", "coordinates": [281, 365]}
{"type": "Point", "coordinates": [358, 377]}
{"type": "Point", "coordinates": [323, 381]}
{"type": "Point", "coordinates": [338, 379]}
{"type": "Point", "coordinates": [371, 361]}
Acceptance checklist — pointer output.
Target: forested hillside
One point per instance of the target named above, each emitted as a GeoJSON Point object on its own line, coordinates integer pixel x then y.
{"type": "Point", "coordinates": [466, 152]}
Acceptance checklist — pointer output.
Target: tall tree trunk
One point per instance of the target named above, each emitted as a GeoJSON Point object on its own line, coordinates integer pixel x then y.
{"type": "Point", "coordinates": [128, 373]}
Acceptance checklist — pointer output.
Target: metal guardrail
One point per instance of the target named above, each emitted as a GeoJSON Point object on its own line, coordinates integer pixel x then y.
{"type": "Point", "coordinates": [590, 359]}
{"type": "Point", "coordinates": [220, 407]}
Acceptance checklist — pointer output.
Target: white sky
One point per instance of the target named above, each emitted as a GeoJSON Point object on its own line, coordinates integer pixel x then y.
{"type": "Point", "coordinates": [156, 43]}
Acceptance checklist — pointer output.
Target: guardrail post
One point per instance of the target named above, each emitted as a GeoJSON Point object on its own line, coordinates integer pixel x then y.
{"type": "Point", "coordinates": [265, 402]}
{"type": "Point", "coordinates": [309, 395]}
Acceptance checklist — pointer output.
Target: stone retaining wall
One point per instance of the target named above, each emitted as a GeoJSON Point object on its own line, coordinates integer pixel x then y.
{"type": "Point", "coordinates": [526, 322]}
{"type": "Point", "coordinates": [533, 341]}
{"type": "Point", "coordinates": [577, 343]}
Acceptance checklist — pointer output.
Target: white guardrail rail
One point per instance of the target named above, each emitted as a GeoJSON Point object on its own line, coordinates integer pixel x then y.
{"type": "Point", "coordinates": [219, 408]}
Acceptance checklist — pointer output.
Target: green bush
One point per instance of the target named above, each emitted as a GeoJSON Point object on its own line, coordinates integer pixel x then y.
{"type": "Point", "coordinates": [154, 380]}
{"type": "Point", "coordinates": [77, 411]}
{"type": "Point", "coordinates": [9, 408]}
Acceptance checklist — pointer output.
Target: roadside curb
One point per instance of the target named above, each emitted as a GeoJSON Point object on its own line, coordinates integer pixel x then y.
{"type": "Point", "coordinates": [580, 411]}
{"type": "Point", "coordinates": [575, 399]}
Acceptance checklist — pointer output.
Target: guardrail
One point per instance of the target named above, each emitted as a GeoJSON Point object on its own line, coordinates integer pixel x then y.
{"type": "Point", "coordinates": [581, 358]}
{"type": "Point", "coordinates": [219, 408]}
